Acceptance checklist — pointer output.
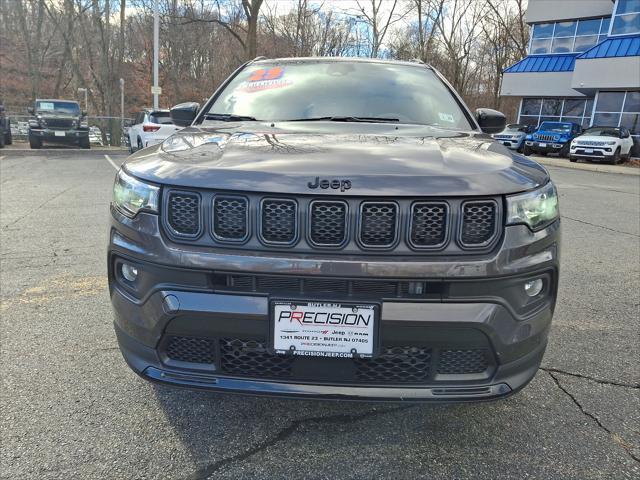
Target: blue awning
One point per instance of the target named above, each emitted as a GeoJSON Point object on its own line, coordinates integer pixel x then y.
{"type": "Point", "coordinates": [544, 63]}
{"type": "Point", "coordinates": [627, 46]}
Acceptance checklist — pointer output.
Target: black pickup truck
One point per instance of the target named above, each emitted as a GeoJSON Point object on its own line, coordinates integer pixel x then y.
{"type": "Point", "coordinates": [5, 128]}
{"type": "Point", "coordinates": [58, 121]}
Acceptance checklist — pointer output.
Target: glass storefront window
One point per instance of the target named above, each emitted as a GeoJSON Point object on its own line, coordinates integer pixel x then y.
{"type": "Point", "coordinates": [534, 111]}
{"type": "Point", "coordinates": [568, 37]}
{"type": "Point", "coordinates": [610, 101]}
{"type": "Point", "coordinates": [619, 109]}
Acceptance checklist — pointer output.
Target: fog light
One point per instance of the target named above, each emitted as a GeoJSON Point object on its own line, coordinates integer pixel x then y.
{"type": "Point", "coordinates": [129, 272]}
{"type": "Point", "coordinates": [533, 287]}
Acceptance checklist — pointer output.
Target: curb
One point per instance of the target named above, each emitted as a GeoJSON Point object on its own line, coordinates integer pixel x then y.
{"type": "Point", "coordinates": [590, 167]}
{"type": "Point", "coordinates": [58, 152]}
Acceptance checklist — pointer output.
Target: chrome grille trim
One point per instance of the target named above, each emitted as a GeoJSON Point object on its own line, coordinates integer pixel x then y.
{"type": "Point", "coordinates": [313, 223]}
{"type": "Point", "coordinates": [262, 224]}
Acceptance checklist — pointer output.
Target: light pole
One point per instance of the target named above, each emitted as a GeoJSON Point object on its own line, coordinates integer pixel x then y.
{"type": "Point", "coordinates": [121, 108]}
{"type": "Point", "coordinates": [156, 39]}
{"type": "Point", "coordinates": [86, 99]}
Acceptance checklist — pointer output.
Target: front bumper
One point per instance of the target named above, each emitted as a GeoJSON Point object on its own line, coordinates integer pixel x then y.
{"type": "Point", "coordinates": [474, 308]}
{"type": "Point", "coordinates": [596, 153]}
{"type": "Point", "coordinates": [545, 147]}
{"type": "Point", "coordinates": [60, 136]}
{"type": "Point", "coordinates": [511, 144]}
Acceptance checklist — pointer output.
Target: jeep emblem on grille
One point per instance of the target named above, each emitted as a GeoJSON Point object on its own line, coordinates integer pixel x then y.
{"type": "Point", "coordinates": [334, 184]}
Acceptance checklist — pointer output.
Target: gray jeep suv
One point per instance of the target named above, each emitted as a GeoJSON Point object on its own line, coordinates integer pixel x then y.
{"type": "Point", "coordinates": [335, 228]}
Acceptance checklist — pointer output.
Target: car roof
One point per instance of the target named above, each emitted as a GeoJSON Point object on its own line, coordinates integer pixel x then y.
{"type": "Point", "coordinates": [605, 126]}
{"type": "Point", "coordinates": [291, 60]}
{"type": "Point", "coordinates": [56, 100]}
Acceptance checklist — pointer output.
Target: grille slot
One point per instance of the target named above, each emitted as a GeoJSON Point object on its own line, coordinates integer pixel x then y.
{"type": "Point", "coordinates": [378, 224]}
{"type": "Point", "coordinates": [278, 221]}
{"type": "Point", "coordinates": [459, 362]}
{"type": "Point", "coordinates": [192, 349]}
{"type": "Point", "coordinates": [250, 358]}
{"type": "Point", "coordinates": [230, 218]}
{"type": "Point", "coordinates": [396, 365]}
{"type": "Point", "coordinates": [328, 223]}
{"type": "Point", "coordinates": [55, 123]}
{"type": "Point", "coordinates": [429, 223]}
{"type": "Point", "coordinates": [478, 223]}
{"type": "Point", "coordinates": [547, 138]}
{"type": "Point", "coordinates": [184, 213]}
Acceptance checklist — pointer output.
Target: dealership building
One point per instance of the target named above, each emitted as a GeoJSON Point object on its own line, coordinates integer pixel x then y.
{"type": "Point", "coordinates": [583, 64]}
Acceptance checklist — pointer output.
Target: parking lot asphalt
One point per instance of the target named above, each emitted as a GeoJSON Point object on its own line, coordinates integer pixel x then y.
{"type": "Point", "coordinates": [71, 408]}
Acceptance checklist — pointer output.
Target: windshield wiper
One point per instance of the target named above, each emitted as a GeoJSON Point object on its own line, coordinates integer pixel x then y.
{"type": "Point", "coordinates": [229, 117]}
{"type": "Point", "coordinates": [346, 119]}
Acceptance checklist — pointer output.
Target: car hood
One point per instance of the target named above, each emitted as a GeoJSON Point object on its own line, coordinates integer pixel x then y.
{"type": "Point", "coordinates": [377, 159]}
{"type": "Point", "coordinates": [595, 138]}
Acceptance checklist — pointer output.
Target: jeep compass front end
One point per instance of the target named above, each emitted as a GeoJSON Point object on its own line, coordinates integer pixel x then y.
{"type": "Point", "coordinates": [335, 228]}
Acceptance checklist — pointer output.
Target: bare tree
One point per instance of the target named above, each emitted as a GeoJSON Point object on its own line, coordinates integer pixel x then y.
{"type": "Point", "coordinates": [378, 15]}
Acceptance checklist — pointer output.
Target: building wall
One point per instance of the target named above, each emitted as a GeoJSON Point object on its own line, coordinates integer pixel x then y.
{"type": "Point", "coordinates": [607, 73]}
{"type": "Point", "coordinates": [538, 84]}
{"type": "Point", "coordinates": [557, 10]}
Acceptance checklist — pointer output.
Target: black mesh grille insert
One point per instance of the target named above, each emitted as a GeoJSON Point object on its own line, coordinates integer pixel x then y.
{"type": "Point", "coordinates": [192, 349]}
{"type": "Point", "coordinates": [328, 223]}
{"type": "Point", "coordinates": [457, 362]}
{"type": "Point", "coordinates": [230, 218]}
{"type": "Point", "coordinates": [279, 221]}
{"type": "Point", "coordinates": [396, 365]}
{"type": "Point", "coordinates": [250, 358]}
{"type": "Point", "coordinates": [184, 213]}
{"type": "Point", "coordinates": [428, 224]}
{"type": "Point", "coordinates": [478, 223]}
{"type": "Point", "coordinates": [378, 224]}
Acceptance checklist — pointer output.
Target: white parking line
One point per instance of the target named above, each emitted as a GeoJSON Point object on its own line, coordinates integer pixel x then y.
{"type": "Point", "coordinates": [113, 164]}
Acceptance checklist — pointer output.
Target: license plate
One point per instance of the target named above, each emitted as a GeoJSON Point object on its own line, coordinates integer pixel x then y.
{"type": "Point", "coordinates": [588, 150]}
{"type": "Point", "coordinates": [58, 133]}
{"type": "Point", "coordinates": [542, 145]}
{"type": "Point", "coordinates": [318, 329]}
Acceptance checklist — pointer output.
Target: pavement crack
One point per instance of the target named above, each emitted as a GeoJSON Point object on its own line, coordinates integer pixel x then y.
{"type": "Point", "coordinates": [285, 433]}
{"type": "Point", "coordinates": [601, 226]}
{"type": "Point", "coordinates": [614, 436]}
{"type": "Point", "coordinates": [593, 379]}
{"type": "Point", "coordinates": [38, 207]}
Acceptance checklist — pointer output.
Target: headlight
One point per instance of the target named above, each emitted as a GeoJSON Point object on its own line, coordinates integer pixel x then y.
{"type": "Point", "coordinates": [535, 209]}
{"type": "Point", "coordinates": [131, 195]}
{"type": "Point", "coordinates": [611, 143]}
{"type": "Point", "coordinates": [84, 123]}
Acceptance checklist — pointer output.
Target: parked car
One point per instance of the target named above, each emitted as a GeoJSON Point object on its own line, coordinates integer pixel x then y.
{"type": "Point", "coordinates": [58, 121]}
{"type": "Point", "coordinates": [552, 137]}
{"type": "Point", "coordinates": [150, 127]}
{"type": "Point", "coordinates": [611, 144]}
{"type": "Point", "coordinates": [5, 128]}
{"type": "Point", "coordinates": [513, 136]}
{"type": "Point", "coordinates": [309, 237]}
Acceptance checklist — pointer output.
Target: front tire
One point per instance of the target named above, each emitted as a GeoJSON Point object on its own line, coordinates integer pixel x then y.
{"type": "Point", "coordinates": [35, 142]}
{"type": "Point", "coordinates": [564, 151]}
{"type": "Point", "coordinates": [84, 143]}
{"type": "Point", "coordinates": [2, 140]}
{"type": "Point", "coordinates": [616, 157]}
{"type": "Point", "coordinates": [140, 147]}
{"type": "Point", "coordinates": [527, 150]}
{"type": "Point", "coordinates": [573, 159]}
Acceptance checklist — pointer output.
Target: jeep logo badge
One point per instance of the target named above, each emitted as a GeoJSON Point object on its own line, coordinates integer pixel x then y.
{"type": "Point", "coordinates": [335, 184]}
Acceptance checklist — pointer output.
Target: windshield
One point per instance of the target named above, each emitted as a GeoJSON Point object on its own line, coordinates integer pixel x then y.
{"type": "Point", "coordinates": [555, 127]}
{"type": "Point", "coordinates": [352, 91]}
{"type": "Point", "coordinates": [602, 132]}
{"type": "Point", "coordinates": [518, 129]}
{"type": "Point", "coordinates": [44, 106]}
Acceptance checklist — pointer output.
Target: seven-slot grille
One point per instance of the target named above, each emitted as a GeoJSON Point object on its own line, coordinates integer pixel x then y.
{"type": "Point", "coordinates": [378, 224]}
{"type": "Point", "coordinates": [429, 222]}
{"type": "Point", "coordinates": [547, 138]}
{"type": "Point", "coordinates": [230, 218]}
{"type": "Point", "coordinates": [278, 221]}
{"type": "Point", "coordinates": [478, 223]}
{"type": "Point", "coordinates": [184, 213]}
{"type": "Point", "coordinates": [328, 226]}
{"type": "Point", "coordinates": [351, 224]}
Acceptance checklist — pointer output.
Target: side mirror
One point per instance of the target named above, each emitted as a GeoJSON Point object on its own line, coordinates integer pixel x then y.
{"type": "Point", "coordinates": [184, 114]}
{"type": "Point", "coordinates": [31, 110]}
{"type": "Point", "coordinates": [490, 121]}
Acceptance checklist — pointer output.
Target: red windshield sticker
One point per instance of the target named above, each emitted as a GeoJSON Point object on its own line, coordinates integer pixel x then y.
{"type": "Point", "coordinates": [264, 79]}
{"type": "Point", "coordinates": [266, 74]}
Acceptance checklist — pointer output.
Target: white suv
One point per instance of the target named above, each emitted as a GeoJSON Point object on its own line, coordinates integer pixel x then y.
{"type": "Point", "coordinates": [611, 144]}
{"type": "Point", "coordinates": [149, 128]}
